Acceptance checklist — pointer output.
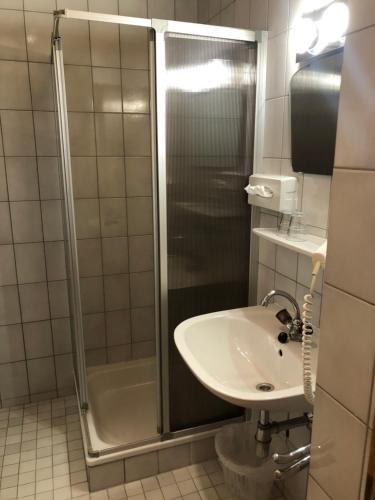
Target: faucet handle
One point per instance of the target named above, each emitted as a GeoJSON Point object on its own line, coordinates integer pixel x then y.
{"type": "Point", "coordinates": [284, 317]}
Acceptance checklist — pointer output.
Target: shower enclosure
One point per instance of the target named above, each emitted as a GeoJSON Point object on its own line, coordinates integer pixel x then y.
{"type": "Point", "coordinates": [155, 149]}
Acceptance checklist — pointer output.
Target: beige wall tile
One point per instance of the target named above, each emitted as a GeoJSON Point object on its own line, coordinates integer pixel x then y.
{"type": "Point", "coordinates": [141, 466]}
{"type": "Point", "coordinates": [111, 171]}
{"type": "Point", "coordinates": [118, 327]}
{"type": "Point", "coordinates": [259, 15]}
{"type": "Point", "coordinates": [94, 330]}
{"type": "Point", "coordinates": [278, 16]}
{"type": "Point", "coordinates": [315, 492]}
{"type": "Point", "coordinates": [13, 380]}
{"type": "Point", "coordinates": [26, 221]}
{"type": "Point", "coordinates": [161, 9]}
{"type": "Point", "coordinates": [18, 133]}
{"type": "Point", "coordinates": [38, 36]}
{"type": "Point", "coordinates": [22, 179]}
{"type": "Point", "coordinates": [64, 371]}
{"type": "Point", "coordinates": [135, 8]}
{"type": "Point", "coordinates": [242, 14]}
{"type": "Point", "coordinates": [14, 85]}
{"type": "Point", "coordinates": [115, 255]}
{"type": "Point", "coordinates": [3, 181]}
{"type": "Point", "coordinates": [34, 302]}
{"type": "Point", "coordinates": [113, 217]}
{"type": "Point", "coordinates": [92, 294]}
{"type": "Point", "coordinates": [55, 260]}
{"type": "Point", "coordinates": [273, 133]}
{"type": "Point", "coordinates": [45, 133]}
{"type": "Point", "coordinates": [107, 7]}
{"type": "Point", "coordinates": [134, 47]}
{"type": "Point", "coordinates": [61, 335]}
{"type": "Point", "coordinates": [49, 182]}
{"type": "Point", "coordinates": [116, 291]}
{"type": "Point", "coordinates": [5, 225]}
{"type": "Point", "coordinates": [338, 441]}
{"type": "Point", "coordinates": [105, 47]}
{"type": "Point", "coordinates": [119, 353]}
{"type": "Point", "coordinates": [41, 375]}
{"type": "Point", "coordinates": [30, 262]}
{"type": "Point", "coordinates": [52, 220]}
{"type": "Point", "coordinates": [315, 201]}
{"type": "Point", "coordinates": [142, 289]}
{"type": "Point", "coordinates": [82, 134]}
{"type": "Point", "coordinates": [348, 381]}
{"type": "Point", "coordinates": [143, 349]}
{"type": "Point", "coordinates": [40, 5]}
{"type": "Point", "coordinates": [11, 4]}
{"type": "Point", "coordinates": [9, 305]}
{"type": "Point", "coordinates": [362, 14]}
{"type": "Point", "coordinates": [137, 135]}
{"type": "Point", "coordinates": [79, 92]}
{"type": "Point", "coordinates": [13, 42]}
{"type": "Point", "coordinates": [12, 348]}
{"type": "Point", "coordinates": [109, 135]}
{"type": "Point", "coordinates": [351, 244]}
{"type": "Point", "coordinates": [38, 340]}
{"type": "Point", "coordinates": [76, 35]}
{"type": "Point", "coordinates": [136, 93]}
{"type": "Point", "coordinates": [354, 147]}
{"type": "Point", "coordinates": [266, 281]}
{"type": "Point", "coordinates": [106, 475]}
{"type": "Point", "coordinates": [89, 257]}
{"type": "Point", "coordinates": [85, 178]}
{"type": "Point", "coordinates": [140, 220]}
{"type": "Point", "coordinates": [141, 253]}
{"type": "Point", "coordinates": [286, 262]}
{"type": "Point", "coordinates": [172, 458]}
{"type": "Point", "coordinates": [138, 176]}
{"type": "Point", "coordinates": [87, 218]}
{"type": "Point", "coordinates": [72, 4]}
{"type": "Point", "coordinates": [186, 10]}
{"type": "Point", "coordinates": [7, 269]}
{"type": "Point", "coordinates": [143, 324]}
{"type": "Point", "coordinates": [58, 299]}
{"type": "Point", "coordinates": [276, 64]}
{"type": "Point", "coordinates": [107, 90]}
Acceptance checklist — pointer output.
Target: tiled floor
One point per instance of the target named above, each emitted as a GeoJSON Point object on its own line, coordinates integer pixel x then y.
{"type": "Point", "coordinates": [41, 458]}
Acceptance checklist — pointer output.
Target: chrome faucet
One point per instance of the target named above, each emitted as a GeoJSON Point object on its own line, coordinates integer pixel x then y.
{"type": "Point", "coordinates": [293, 325]}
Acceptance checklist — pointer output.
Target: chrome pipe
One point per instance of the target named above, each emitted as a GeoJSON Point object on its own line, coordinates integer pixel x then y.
{"type": "Point", "coordinates": [286, 458]}
{"type": "Point", "coordinates": [293, 469]}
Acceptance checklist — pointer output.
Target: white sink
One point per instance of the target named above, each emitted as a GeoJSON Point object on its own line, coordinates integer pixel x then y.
{"type": "Point", "coordinates": [231, 352]}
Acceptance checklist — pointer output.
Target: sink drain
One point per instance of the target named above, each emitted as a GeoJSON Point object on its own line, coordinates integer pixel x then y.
{"type": "Point", "coordinates": [264, 387]}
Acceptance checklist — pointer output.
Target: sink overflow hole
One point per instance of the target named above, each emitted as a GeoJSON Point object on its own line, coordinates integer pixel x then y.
{"type": "Point", "coordinates": [280, 352]}
{"type": "Point", "coordinates": [264, 387]}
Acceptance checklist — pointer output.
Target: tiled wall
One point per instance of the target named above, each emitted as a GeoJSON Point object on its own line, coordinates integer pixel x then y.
{"type": "Point", "coordinates": [106, 74]}
{"type": "Point", "coordinates": [344, 409]}
{"type": "Point", "coordinates": [278, 267]}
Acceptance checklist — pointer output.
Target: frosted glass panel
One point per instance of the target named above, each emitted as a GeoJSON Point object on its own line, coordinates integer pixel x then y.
{"type": "Point", "coordinates": [210, 129]}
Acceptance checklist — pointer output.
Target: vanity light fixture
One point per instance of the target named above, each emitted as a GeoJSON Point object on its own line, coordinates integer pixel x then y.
{"type": "Point", "coordinates": [322, 27]}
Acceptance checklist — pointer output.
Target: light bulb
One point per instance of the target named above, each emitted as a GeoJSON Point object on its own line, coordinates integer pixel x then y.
{"type": "Point", "coordinates": [305, 35]}
{"type": "Point", "coordinates": [334, 22]}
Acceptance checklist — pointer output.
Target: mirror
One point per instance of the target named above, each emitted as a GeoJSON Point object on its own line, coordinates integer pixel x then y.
{"type": "Point", "coordinates": [314, 101]}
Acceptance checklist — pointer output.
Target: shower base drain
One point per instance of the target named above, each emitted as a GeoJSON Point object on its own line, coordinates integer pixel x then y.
{"type": "Point", "coordinates": [265, 387]}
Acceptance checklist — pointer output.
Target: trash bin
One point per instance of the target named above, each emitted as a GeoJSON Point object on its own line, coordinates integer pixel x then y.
{"type": "Point", "coordinates": [247, 475]}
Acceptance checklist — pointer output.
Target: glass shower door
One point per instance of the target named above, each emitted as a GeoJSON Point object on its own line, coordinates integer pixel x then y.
{"type": "Point", "coordinates": [206, 108]}
{"type": "Point", "coordinates": [70, 241]}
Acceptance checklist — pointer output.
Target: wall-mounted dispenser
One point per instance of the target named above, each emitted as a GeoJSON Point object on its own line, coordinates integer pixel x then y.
{"type": "Point", "coordinates": [275, 192]}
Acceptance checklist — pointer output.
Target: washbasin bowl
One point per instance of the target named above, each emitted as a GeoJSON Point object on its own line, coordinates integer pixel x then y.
{"type": "Point", "coordinates": [236, 355]}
